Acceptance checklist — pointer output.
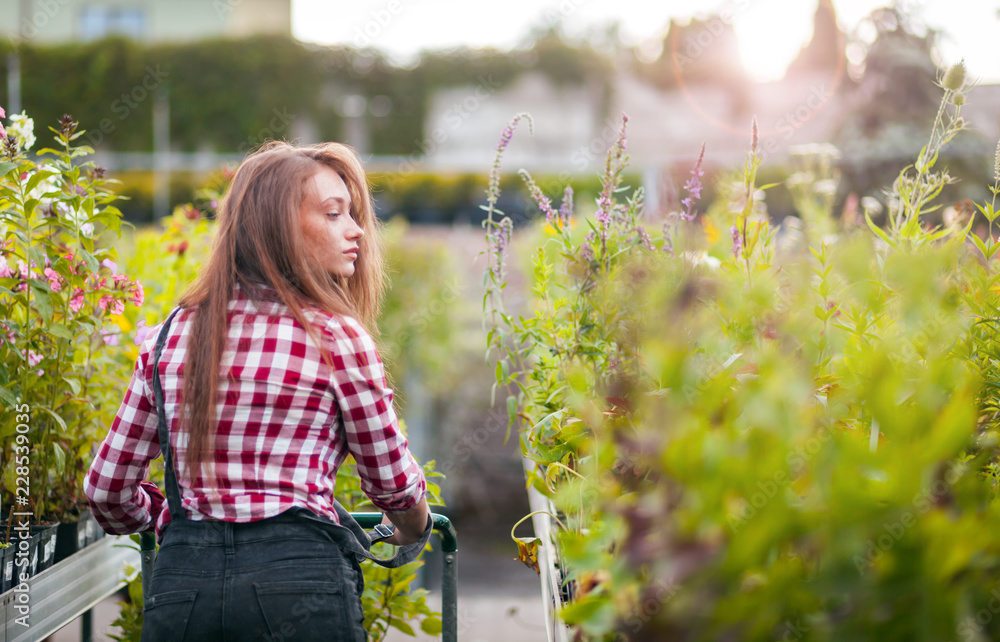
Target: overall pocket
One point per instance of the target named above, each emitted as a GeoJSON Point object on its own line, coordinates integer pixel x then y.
{"type": "Point", "coordinates": [311, 610]}
{"type": "Point", "coordinates": [165, 615]}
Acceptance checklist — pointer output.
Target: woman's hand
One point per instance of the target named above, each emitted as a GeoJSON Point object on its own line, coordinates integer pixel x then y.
{"type": "Point", "coordinates": [410, 524]}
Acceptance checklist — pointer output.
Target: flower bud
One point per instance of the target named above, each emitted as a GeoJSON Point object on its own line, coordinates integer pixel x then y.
{"type": "Point", "coordinates": [954, 80]}
{"type": "Point", "coordinates": [958, 99]}
{"type": "Point", "coordinates": [996, 164]}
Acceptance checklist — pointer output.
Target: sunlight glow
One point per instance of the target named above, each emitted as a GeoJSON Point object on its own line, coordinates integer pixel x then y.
{"type": "Point", "coordinates": [770, 35]}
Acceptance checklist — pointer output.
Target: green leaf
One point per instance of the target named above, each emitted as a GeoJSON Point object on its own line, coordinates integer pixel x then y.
{"type": "Point", "coordinates": [59, 420]}
{"type": "Point", "coordinates": [42, 300]}
{"type": "Point", "coordinates": [37, 178]}
{"type": "Point", "coordinates": [9, 477]}
{"type": "Point", "coordinates": [431, 625]}
{"type": "Point", "coordinates": [403, 626]}
{"type": "Point", "coordinates": [74, 383]}
{"type": "Point", "coordinates": [8, 397]}
{"type": "Point", "coordinates": [5, 167]}
{"type": "Point", "coordinates": [59, 458]}
{"type": "Point", "coordinates": [61, 331]}
{"type": "Point", "coordinates": [88, 258]}
{"type": "Point", "coordinates": [879, 231]}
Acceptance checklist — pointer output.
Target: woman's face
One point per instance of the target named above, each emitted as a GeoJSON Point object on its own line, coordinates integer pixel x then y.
{"type": "Point", "coordinates": [329, 233]}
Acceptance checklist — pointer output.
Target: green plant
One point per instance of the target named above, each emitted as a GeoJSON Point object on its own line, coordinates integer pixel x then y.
{"type": "Point", "coordinates": [60, 294]}
{"type": "Point", "coordinates": [760, 445]}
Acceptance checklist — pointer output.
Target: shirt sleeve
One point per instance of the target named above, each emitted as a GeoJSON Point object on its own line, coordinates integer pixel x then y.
{"type": "Point", "coordinates": [390, 476]}
{"type": "Point", "coordinates": [120, 500]}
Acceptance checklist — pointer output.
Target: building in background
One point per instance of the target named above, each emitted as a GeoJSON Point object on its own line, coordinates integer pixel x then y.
{"type": "Point", "coordinates": [145, 21]}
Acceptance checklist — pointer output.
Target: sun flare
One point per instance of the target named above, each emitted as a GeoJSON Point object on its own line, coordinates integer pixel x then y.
{"type": "Point", "coordinates": [770, 34]}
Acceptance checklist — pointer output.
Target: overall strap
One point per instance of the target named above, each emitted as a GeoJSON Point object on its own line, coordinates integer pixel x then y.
{"type": "Point", "coordinates": [354, 539]}
{"type": "Point", "coordinates": [170, 476]}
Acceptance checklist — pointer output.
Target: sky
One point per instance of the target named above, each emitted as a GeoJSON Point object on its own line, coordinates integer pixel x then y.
{"type": "Point", "coordinates": [770, 31]}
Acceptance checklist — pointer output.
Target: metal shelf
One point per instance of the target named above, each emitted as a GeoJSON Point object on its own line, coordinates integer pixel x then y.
{"type": "Point", "coordinates": [62, 593]}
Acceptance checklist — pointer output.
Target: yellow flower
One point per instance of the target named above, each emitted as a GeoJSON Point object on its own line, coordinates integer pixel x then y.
{"type": "Point", "coordinates": [711, 232]}
{"type": "Point", "coordinates": [550, 229]}
{"type": "Point", "coordinates": [123, 323]}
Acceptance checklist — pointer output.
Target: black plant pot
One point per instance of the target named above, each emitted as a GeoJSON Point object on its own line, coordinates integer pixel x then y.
{"type": "Point", "coordinates": [71, 536]}
{"type": "Point", "coordinates": [48, 539]}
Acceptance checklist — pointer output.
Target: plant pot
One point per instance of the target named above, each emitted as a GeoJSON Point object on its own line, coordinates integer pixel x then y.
{"type": "Point", "coordinates": [72, 536]}
{"type": "Point", "coordinates": [48, 537]}
{"type": "Point", "coordinates": [7, 568]}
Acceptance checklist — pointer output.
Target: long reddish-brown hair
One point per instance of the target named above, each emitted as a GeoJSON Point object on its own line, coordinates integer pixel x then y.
{"type": "Point", "coordinates": [259, 241]}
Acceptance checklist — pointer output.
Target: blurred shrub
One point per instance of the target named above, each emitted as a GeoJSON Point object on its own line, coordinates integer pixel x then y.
{"type": "Point", "coordinates": [232, 94]}
{"type": "Point", "coordinates": [760, 435]}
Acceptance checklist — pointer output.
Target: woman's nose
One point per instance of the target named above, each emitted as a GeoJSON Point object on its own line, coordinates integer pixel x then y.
{"type": "Point", "coordinates": [355, 231]}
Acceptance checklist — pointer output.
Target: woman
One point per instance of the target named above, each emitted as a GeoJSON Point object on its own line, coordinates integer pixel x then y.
{"type": "Point", "coordinates": [269, 378]}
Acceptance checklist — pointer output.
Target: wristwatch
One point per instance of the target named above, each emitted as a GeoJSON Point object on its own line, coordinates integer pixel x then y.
{"type": "Point", "coordinates": [381, 532]}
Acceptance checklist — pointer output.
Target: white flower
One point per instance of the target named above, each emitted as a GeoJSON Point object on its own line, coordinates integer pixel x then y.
{"type": "Point", "coordinates": [22, 129]}
{"type": "Point", "coordinates": [702, 258]}
{"type": "Point", "coordinates": [44, 186]}
{"type": "Point", "coordinates": [76, 218]}
{"type": "Point", "coordinates": [871, 205]}
{"type": "Point", "coordinates": [825, 187]}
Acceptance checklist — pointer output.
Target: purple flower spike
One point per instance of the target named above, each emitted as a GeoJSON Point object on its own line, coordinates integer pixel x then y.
{"type": "Point", "coordinates": [693, 187]}
{"type": "Point", "coordinates": [543, 201]}
{"type": "Point", "coordinates": [493, 191]}
{"type": "Point", "coordinates": [734, 232]}
{"type": "Point", "coordinates": [566, 209]}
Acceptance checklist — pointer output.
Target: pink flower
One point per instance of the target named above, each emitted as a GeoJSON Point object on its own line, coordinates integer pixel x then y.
{"type": "Point", "coordinates": [141, 332]}
{"type": "Point", "coordinates": [138, 294]}
{"type": "Point", "coordinates": [77, 301]}
{"type": "Point", "coordinates": [119, 278]}
{"type": "Point", "coordinates": [109, 338]}
{"type": "Point", "coordinates": [111, 265]}
{"type": "Point", "coordinates": [55, 281]}
{"type": "Point", "coordinates": [5, 271]}
{"type": "Point", "coordinates": [119, 307]}
{"type": "Point", "coordinates": [3, 114]}
{"type": "Point", "coordinates": [33, 358]}
{"type": "Point", "coordinates": [105, 300]}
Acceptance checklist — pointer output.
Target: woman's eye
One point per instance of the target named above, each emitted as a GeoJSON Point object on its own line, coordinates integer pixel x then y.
{"type": "Point", "coordinates": [333, 214]}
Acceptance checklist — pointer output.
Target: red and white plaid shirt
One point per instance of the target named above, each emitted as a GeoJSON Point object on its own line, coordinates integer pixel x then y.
{"type": "Point", "coordinates": [285, 423]}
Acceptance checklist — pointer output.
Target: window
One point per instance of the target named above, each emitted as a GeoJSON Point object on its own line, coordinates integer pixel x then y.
{"type": "Point", "coordinates": [98, 22]}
